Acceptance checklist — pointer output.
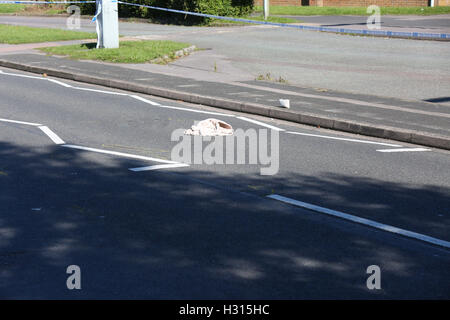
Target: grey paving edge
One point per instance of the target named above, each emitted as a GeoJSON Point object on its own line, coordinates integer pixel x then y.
{"type": "Point", "coordinates": [367, 129]}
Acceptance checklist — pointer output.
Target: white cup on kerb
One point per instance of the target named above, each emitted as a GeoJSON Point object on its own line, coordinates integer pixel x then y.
{"type": "Point", "coordinates": [285, 103]}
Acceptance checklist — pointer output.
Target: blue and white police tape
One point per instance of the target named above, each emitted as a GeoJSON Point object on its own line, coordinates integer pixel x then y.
{"type": "Point", "coordinates": [44, 2]}
{"type": "Point", "coordinates": [309, 28]}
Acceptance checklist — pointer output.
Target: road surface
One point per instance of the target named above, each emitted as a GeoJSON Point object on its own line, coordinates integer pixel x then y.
{"type": "Point", "coordinates": [204, 231]}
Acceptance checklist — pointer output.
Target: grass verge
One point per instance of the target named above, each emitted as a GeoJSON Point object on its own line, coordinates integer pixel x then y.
{"type": "Point", "coordinates": [21, 9]}
{"type": "Point", "coordinates": [129, 51]}
{"type": "Point", "coordinates": [357, 11]}
{"type": "Point", "coordinates": [20, 34]}
{"type": "Point", "coordinates": [11, 8]}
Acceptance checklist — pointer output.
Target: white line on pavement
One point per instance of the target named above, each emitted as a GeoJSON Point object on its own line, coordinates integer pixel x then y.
{"type": "Point", "coordinates": [120, 154]}
{"type": "Point", "coordinates": [60, 83]}
{"type": "Point", "coordinates": [144, 100]}
{"type": "Point", "coordinates": [362, 221]}
{"type": "Point", "coordinates": [53, 136]}
{"type": "Point", "coordinates": [261, 124]}
{"type": "Point", "coordinates": [159, 166]}
{"type": "Point", "coordinates": [102, 91]}
{"type": "Point", "coordinates": [179, 108]}
{"type": "Point", "coordinates": [21, 122]}
{"type": "Point", "coordinates": [344, 139]}
{"type": "Point", "coordinates": [199, 111]}
{"type": "Point", "coordinates": [404, 150]}
{"type": "Point", "coordinates": [22, 75]}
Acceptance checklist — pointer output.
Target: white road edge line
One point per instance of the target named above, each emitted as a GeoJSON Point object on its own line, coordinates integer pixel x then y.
{"type": "Point", "coordinates": [179, 108]}
{"type": "Point", "coordinates": [60, 83]}
{"type": "Point", "coordinates": [199, 111]}
{"type": "Point", "coordinates": [363, 221]}
{"type": "Point", "coordinates": [344, 139]}
{"type": "Point", "coordinates": [53, 136]}
{"type": "Point", "coordinates": [21, 122]}
{"type": "Point", "coordinates": [159, 166]}
{"type": "Point", "coordinates": [22, 75]}
{"type": "Point", "coordinates": [120, 154]}
{"type": "Point", "coordinates": [261, 124]}
{"type": "Point", "coordinates": [404, 150]}
{"type": "Point", "coordinates": [102, 91]}
{"type": "Point", "coordinates": [144, 100]}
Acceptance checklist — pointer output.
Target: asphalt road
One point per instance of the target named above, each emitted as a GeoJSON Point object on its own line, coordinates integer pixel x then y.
{"type": "Point", "coordinates": [398, 68]}
{"type": "Point", "coordinates": [204, 231]}
{"type": "Point", "coordinates": [439, 23]}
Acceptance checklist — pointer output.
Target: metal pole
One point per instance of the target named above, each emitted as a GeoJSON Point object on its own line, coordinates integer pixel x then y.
{"type": "Point", "coordinates": [108, 25]}
{"type": "Point", "coordinates": [266, 9]}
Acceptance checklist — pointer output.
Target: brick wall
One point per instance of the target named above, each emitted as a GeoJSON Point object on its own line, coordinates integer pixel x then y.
{"type": "Point", "coordinates": [353, 3]}
{"type": "Point", "coordinates": [280, 2]}
{"type": "Point", "coordinates": [442, 2]}
{"type": "Point", "coordinates": [366, 3]}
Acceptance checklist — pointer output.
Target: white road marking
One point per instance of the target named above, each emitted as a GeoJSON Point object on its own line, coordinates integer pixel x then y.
{"type": "Point", "coordinates": [261, 124]}
{"type": "Point", "coordinates": [199, 111]}
{"type": "Point", "coordinates": [144, 100]}
{"type": "Point", "coordinates": [180, 108]}
{"type": "Point", "coordinates": [60, 83]}
{"type": "Point", "coordinates": [102, 91]}
{"type": "Point", "coordinates": [363, 221]}
{"type": "Point", "coordinates": [53, 136]}
{"type": "Point", "coordinates": [120, 154]}
{"type": "Point", "coordinates": [344, 139]}
{"type": "Point", "coordinates": [404, 150]}
{"type": "Point", "coordinates": [22, 75]}
{"type": "Point", "coordinates": [159, 166]}
{"type": "Point", "coordinates": [21, 122]}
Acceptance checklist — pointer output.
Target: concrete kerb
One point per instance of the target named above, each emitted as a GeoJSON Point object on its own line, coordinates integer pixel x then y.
{"type": "Point", "coordinates": [409, 136]}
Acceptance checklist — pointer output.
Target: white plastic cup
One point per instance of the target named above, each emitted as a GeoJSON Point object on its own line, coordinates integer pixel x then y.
{"type": "Point", "coordinates": [285, 103]}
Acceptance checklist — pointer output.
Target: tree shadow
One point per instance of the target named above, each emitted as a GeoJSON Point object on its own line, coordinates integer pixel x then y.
{"type": "Point", "coordinates": [181, 235]}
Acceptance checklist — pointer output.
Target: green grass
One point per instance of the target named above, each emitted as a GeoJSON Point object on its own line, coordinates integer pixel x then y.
{"type": "Point", "coordinates": [359, 11]}
{"type": "Point", "coordinates": [20, 34]}
{"type": "Point", "coordinates": [216, 22]}
{"type": "Point", "coordinates": [129, 51]}
{"type": "Point", "coordinates": [21, 9]}
{"type": "Point", "coordinates": [11, 8]}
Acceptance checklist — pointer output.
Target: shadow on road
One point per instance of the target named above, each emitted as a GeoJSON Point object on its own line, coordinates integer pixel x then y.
{"type": "Point", "coordinates": [165, 235]}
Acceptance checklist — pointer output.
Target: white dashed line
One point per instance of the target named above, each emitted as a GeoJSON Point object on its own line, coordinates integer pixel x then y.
{"type": "Point", "coordinates": [261, 124]}
{"type": "Point", "coordinates": [21, 122]}
{"type": "Point", "coordinates": [344, 139]}
{"type": "Point", "coordinates": [159, 166]}
{"type": "Point", "coordinates": [363, 221]}
{"type": "Point", "coordinates": [60, 83]}
{"type": "Point", "coordinates": [102, 91]}
{"type": "Point", "coordinates": [404, 150]}
{"type": "Point", "coordinates": [53, 136]}
{"type": "Point", "coordinates": [144, 100]}
{"type": "Point", "coordinates": [120, 154]}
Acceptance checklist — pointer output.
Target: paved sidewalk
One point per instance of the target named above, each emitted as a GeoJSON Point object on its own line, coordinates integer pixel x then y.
{"type": "Point", "coordinates": [416, 122]}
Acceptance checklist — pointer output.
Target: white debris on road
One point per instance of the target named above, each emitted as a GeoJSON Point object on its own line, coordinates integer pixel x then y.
{"type": "Point", "coordinates": [210, 127]}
